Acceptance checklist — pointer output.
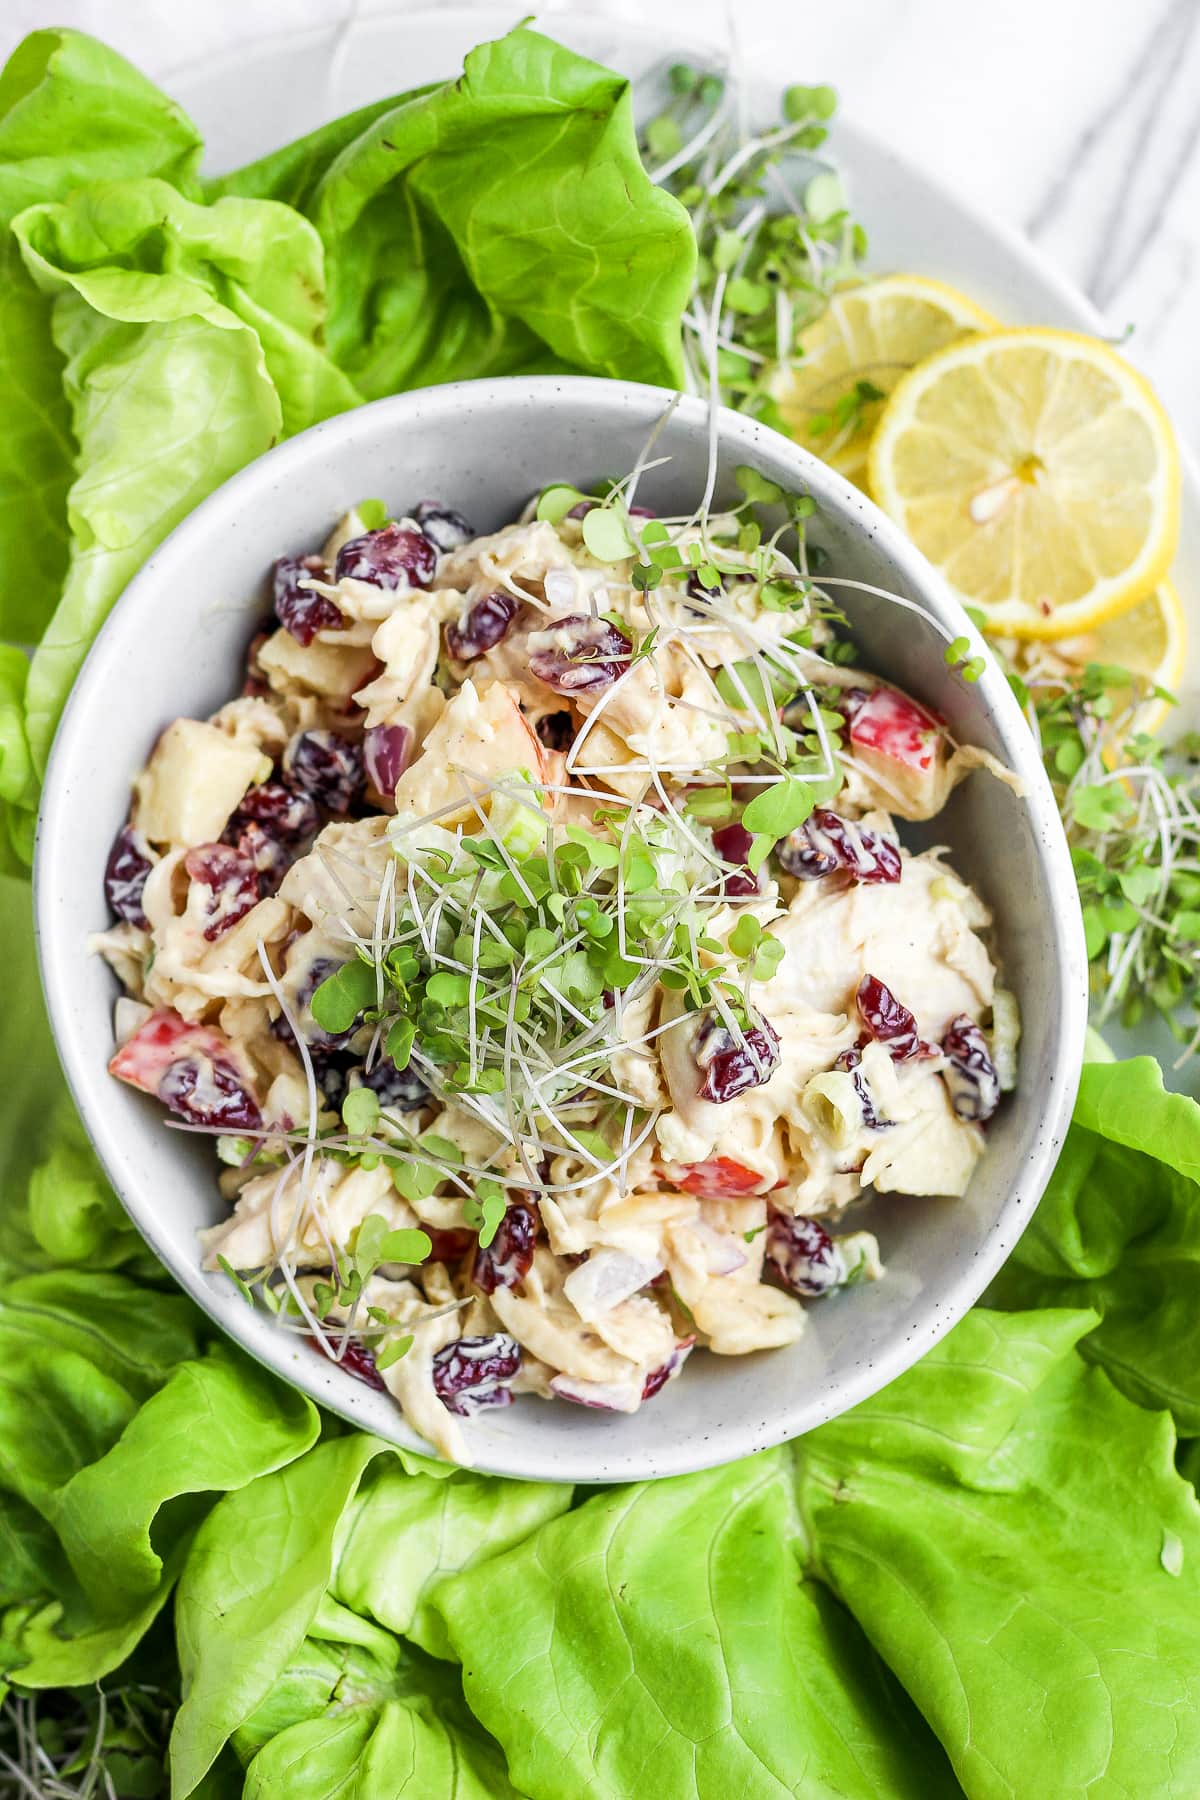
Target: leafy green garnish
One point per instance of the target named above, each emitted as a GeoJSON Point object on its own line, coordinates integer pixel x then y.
{"type": "Point", "coordinates": [342, 996]}
{"type": "Point", "coordinates": [775, 236]}
{"type": "Point", "coordinates": [393, 1350]}
{"type": "Point", "coordinates": [1129, 806]}
{"type": "Point", "coordinates": [554, 503]}
{"type": "Point", "coordinates": [777, 810]}
{"type": "Point", "coordinates": [484, 1209]}
{"type": "Point", "coordinates": [606, 536]}
{"type": "Point", "coordinates": [360, 1111]}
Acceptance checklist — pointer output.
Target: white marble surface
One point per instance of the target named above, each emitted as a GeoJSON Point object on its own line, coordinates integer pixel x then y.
{"type": "Point", "coordinates": [1076, 120]}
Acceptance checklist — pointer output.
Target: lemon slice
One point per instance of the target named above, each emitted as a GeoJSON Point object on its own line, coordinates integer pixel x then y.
{"type": "Point", "coordinates": [1038, 472]}
{"type": "Point", "coordinates": [1149, 639]}
{"type": "Point", "coordinates": [871, 334]}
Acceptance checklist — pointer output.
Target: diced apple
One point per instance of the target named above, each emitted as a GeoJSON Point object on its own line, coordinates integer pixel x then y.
{"type": "Point", "coordinates": [333, 671]}
{"type": "Point", "coordinates": [905, 747]}
{"type": "Point", "coordinates": [193, 1069]}
{"type": "Point", "coordinates": [194, 780]}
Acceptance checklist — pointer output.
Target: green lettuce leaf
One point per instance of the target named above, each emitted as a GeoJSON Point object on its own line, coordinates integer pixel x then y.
{"type": "Point", "coordinates": [190, 334]}
{"type": "Point", "coordinates": [1003, 1524]}
{"type": "Point", "coordinates": [342, 1660]}
{"type": "Point", "coordinates": [257, 1573]}
{"type": "Point", "coordinates": [355, 1704]}
{"type": "Point", "coordinates": [109, 1431]}
{"type": "Point", "coordinates": [664, 1639]}
{"type": "Point", "coordinates": [31, 1078]}
{"type": "Point", "coordinates": [52, 82]}
{"type": "Point", "coordinates": [330, 1531]}
{"type": "Point", "coordinates": [293, 174]}
{"type": "Point", "coordinates": [56, 1208]}
{"type": "Point", "coordinates": [503, 222]}
{"type": "Point", "coordinates": [31, 1558]}
{"type": "Point", "coordinates": [403, 1537]}
{"type": "Point", "coordinates": [1118, 1229]}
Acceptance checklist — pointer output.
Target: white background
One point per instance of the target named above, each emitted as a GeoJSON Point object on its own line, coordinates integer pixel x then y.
{"type": "Point", "coordinates": [1076, 120]}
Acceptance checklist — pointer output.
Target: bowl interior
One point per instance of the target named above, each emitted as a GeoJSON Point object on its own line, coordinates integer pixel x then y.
{"type": "Point", "coordinates": [175, 645]}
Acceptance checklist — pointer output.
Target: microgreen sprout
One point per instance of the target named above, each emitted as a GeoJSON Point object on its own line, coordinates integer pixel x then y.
{"type": "Point", "coordinates": [1131, 808]}
{"type": "Point", "coordinates": [85, 1743]}
{"type": "Point", "coordinates": [774, 232]}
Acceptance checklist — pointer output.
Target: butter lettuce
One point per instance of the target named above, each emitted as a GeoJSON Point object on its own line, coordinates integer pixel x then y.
{"type": "Point", "coordinates": [347, 1523]}
{"type": "Point", "coordinates": [990, 1528]}
{"type": "Point", "coordinates": [1118, 1229]}
{"type": "Point", "coordinates": [56, 1208]}
{"type": "Point", "coordinates": [999, 1522]}
{"type": "Point", "coordinates": [71, 111]}
{"type": "Point", "coordinates": [190, 338]}
{"type": "Point", "coordinates": [504, 223]}
{"type": "Point", "coordinates": [666, 1638]}
{"type": "Point", "coordinates": [499, 224]}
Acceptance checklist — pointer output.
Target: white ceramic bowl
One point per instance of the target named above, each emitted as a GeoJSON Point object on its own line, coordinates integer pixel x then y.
{"type": "Point", "coordinates": [174, 646]}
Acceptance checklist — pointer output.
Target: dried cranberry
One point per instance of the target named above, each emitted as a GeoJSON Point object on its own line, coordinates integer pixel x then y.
{"type": "Point", "coordinates": [577, 653]}
{"type": "Point", "coordinates": [732, 844]}
{"type": "Point", "coordinates": [331, 1068]}
{"type": "Point", "coordinates": [802, 855]}
{"type": "Point", "coordinates": [284, 811]}
{"type": "Point", "coordinates": [729, 1068]}
{"type": "Point", "coordinates": [129, 863]}
{"type": "Point", "coordinates": [481, 627]}
{"type": "Point", "coordinates": [970, 1074]}
{"type": "Point", "coordinates": [394, 556]}
{"type": "Point", "coordinates": [825, 844]}
{"type": "Point", "coordinates": [446, 529]}
{"type": "Point", "coordinates": [357, 1360]}
{"type": "Point", "coordinates": [449, 1245]}
{"type": "Point", "coordinates": [556, 730]}
{"type": "Point", "coordinates": [850, 1061]}
{"type": "Point", "coordinates": [888, 1022]}
{"type": "Point", "coordinates": [509, 1257]}
{"type": "Point", "coordinates": [401, 1089]}
{"type": "Point", "coordinates": [803, 1255]}
{"type": "Point", "coordinates": [328, 767]}
{"type": "Point", "coordinates": [475, 1372]}
{"type": "Point", "coordinates": [658, 1378]}
{"type": "Point", "coordinates": [270, 858]}
{"type": "Point", "coordinates": [232, 881]}
{"type": "Point", "coordinates": [300, 611]}
{"type": "Point", "coordinates": [211, 1092]}
{"type": "Point", "coordinates": [386, 750]}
